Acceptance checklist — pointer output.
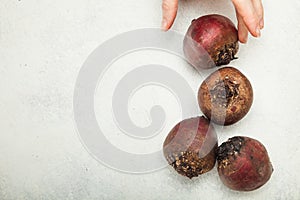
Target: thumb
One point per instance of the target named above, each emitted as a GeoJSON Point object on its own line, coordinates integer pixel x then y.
{"type": "Point", "coordinates": [169, 10]}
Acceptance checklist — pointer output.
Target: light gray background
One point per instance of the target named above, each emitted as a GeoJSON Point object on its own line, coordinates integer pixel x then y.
{"type": "Point", "coordinates": [42, 47]}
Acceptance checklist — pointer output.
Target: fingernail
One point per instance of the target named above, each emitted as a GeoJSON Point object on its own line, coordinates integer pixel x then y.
{"type": "Point", "coordinates": [164, 25]}
{"type": "Point", "coordinates": [258, 32]}
{"type": "Point", "coordinates": [261, 23]}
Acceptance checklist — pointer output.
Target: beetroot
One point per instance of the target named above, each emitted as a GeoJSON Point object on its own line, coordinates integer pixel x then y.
{"type": "Point", "coordinates": [243, 164]}
{"type": "Point", "coordinates": [211, 40]}
{"type": "Point", "coordinates": [191, 147]}
{"type": "Point", "coordinates": [225, 96]}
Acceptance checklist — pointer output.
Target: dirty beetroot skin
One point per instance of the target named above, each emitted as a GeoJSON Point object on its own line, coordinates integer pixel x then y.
{"type": "Point", "coordinates": [225, 96]}
{"type": "Point", "coordinates": [190, 147]}
{"type": "Point", "coordinates": [243, 164]}
{"type": "Point", "coordinates": [211, 40]}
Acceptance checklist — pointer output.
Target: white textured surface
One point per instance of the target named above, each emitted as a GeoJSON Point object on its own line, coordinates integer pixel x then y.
{"type": "Point", "coordinates": [42, 47]}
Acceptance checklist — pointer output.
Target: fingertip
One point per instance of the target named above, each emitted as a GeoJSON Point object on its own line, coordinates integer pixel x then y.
{"type": "Point", "coordinates": [254, 30]}
{"type": "Point", "coordinates": [243, 36]}
{"type": "Point", "coordinates": [257, 31]}
{"type": "Point", "coordinates": [243, 40]}
{"type": "Point", "coordinates": [261, 23]}
{"type": "Point", "coordinates": [164, 25]}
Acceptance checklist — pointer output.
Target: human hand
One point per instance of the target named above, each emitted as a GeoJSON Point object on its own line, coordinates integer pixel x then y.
{"type": "Point", "coordinates": [249, 13]}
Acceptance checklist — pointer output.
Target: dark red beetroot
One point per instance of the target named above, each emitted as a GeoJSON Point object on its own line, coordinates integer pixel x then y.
{"type": "Point", "coordinates": [191, 147]}
{"type": "Point", "coordinates": [243, 164]}
{"type": "Point", "coordinates": [211, 40]}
